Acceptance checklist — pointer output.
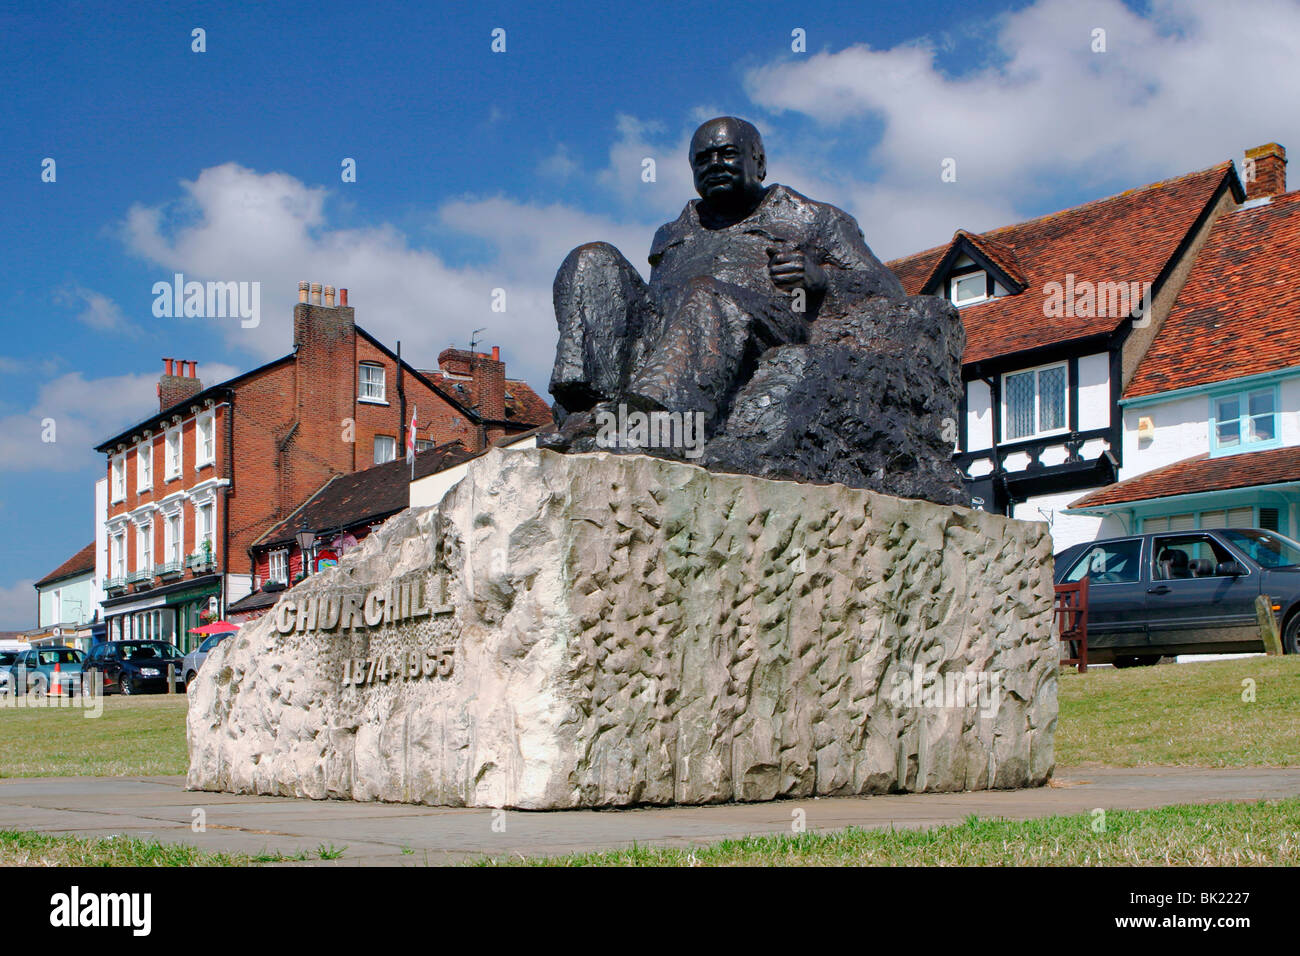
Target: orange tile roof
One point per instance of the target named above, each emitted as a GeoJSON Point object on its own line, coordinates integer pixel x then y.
{"type": "Point", "coordinates": [79, 563]}
{"type": "Point", "coordinates": [523, 405]}
{"type": "Point", "coordinates": [999, 253]}
{"type": "Point", "coordinates": [1125, 238]}
{"type": "Point", "coordinates": [1236, 314]}
{"type": "Point", "coordinates": [1200, 474]}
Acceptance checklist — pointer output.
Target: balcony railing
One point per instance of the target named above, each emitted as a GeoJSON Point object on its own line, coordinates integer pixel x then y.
{"type": "Point", "coordinates": [169, 568]}
{"type": "Point", "coordinates": [113, 584]}
{"type": "Point", "coordinates": [142, 575]}
{"type": "Point", "coordinates": [201, 561]}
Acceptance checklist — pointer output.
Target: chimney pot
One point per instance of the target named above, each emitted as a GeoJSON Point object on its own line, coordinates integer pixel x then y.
{"type": "Point", "coordinates": [1268, 175]}
{"type": "Point", "coordinates": [315, 293]}
{"type": "Point", "coordinates": [343, 297]}
{"type": "Point", "coordinates": [167, 366]}
{"type": "Point", "coordinates": [329, 296]}
{"type": "Point", "coordinates": [302, 291]}
{"type": "Point", "coordinates": [194, 368]}
{"type": "Point", "coordinates": [496, 353]}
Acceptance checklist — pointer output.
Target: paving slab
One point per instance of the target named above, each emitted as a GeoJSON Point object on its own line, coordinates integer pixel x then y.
{"type": "Point", "coordinates": [401, 834]}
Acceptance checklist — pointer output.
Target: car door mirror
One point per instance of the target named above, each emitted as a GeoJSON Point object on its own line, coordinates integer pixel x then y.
{"type": "Point", "coordinates": [1230, 569]}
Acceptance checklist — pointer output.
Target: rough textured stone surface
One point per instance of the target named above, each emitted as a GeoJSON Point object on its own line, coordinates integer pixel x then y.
{"type": "Point", "coordinates": [632, 630]}
{"type": "Point", "coordinates": [871, 401]}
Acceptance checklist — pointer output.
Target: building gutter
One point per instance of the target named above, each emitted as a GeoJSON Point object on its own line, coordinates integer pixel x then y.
{"type": "Point", "coordinates": [1246, 381]}
{"type": "Point", "coordinates": [1131, 505]}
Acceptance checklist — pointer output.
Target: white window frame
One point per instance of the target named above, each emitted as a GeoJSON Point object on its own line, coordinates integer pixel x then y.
{"type": "Point", "coordinates": [143, 470]}
{"type": "Point", "coordinates": [205, 514]}
{"type": "Point", "coordinates": [387, 438]}
{"type": "Point", "coordinates": [144, 546]}
{"type": "Point", "coordinates": [173, 537]}
{"type": "Point", "coordinates": [1244, 421]}
{"type": "Point", "coordinates": [117, 554]}
{"type": "Point", "coordinates": [279, 556]}
{"type": "Point", "coordinates": [423, 445]}
{"type": "Point", "coordinates": [363, 385]}
{"type": "Point", "coordinates": [175, 461]}
{"type": "Point", "coordinates": [117, 471]}
{"type": "Point", "coordinates": [205, 439]}
{"type": "Point", "coordinates": [982, 275]}
{"type": "Point", "coordinates": [1038, 431]}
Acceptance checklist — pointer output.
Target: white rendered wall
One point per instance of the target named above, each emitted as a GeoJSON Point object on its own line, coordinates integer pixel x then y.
{"type": "Point", "coordinates": [101, 546]}
{"type": "Point", "coordinates": [429, 490]}
{"type": "Point", "coordinates": [979, 417]}
{"type": "Point", "coordinates": [1094, 391]}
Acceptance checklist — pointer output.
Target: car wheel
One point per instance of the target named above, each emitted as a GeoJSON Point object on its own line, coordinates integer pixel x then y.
{"type": "Point", "coordinates": [1291, 635]}
{"type": "Point", "coordinates": [127, 687]}
{"type": "Point", "coordinates": [189, 679]}
{"type": "Point", "coordinates": [39, 687]}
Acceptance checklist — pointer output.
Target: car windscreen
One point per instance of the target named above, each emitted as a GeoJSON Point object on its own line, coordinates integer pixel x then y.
{"type": "Point", "coordinates": [60, 655]}
{"type": "Point", "coordinates": [8, 657]}
{"type": "Point", "coordinates": [146, 650]}
{"type": "Point", "coordinates": [1266, 549]}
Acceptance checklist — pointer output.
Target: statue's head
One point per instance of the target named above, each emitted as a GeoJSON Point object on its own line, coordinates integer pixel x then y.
{"type": "Point", "coordinates": [728, 162]}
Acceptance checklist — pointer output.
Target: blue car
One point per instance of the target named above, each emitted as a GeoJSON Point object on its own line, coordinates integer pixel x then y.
{"type": "Point", "coordinates": [41, 670]}
{"type": "Point", "coordinates": [1184, 592]}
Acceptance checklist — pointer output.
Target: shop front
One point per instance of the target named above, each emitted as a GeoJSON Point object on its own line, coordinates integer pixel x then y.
{"type": "Point", "coordinates": [163, 614]}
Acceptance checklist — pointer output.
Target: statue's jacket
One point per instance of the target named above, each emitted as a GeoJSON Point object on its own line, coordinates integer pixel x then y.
{"type": "Point", "coordinates": [737, 256]}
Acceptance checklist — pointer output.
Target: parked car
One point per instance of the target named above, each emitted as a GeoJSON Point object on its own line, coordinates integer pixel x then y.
{"type": "Point", "coordinates": [1184, 592]}
{"type": "Point", "coordinates": [195, 658]}
{"type": "Point", "coordinates": [39, 669]}
{"type": "Point", "coordinates": [135, 667]}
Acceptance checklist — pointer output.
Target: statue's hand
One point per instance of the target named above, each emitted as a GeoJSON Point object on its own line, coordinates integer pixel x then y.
{"type": "Point", "coordinates": [792, 268]}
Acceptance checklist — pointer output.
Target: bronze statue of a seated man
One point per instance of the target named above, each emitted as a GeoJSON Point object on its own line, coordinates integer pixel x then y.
{"type": "Point", "coordinates": [769, 327]}
{"type": "Point", "coordinates": [744, 268]}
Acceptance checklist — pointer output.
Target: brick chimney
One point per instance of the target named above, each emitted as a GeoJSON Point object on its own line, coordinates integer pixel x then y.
{"type": "Point", "coordinates": [487, 375]}
{"type": "Point", "coordinates": [1265, 171]}
{"type": "Point", "coordinates": [325, 390]}
{"type": "Point", "coordinates": [490, 384]}
{"type": "Point", "coordinates": [178, 382]}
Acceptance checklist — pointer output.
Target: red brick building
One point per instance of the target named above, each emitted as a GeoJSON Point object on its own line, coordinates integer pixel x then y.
{"type": "Point", "coordinates": [340, 515]}
{"type": "Point", "coordinates": [192, 486]}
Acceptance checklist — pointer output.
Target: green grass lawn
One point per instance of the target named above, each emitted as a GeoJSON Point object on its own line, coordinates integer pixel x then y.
{"type": "Point", "coordinates": [134, 736]}
{"type": "Point", "coordinates": [1182, 715]}
{"type": "Point", "coordinates": [1189, 715]}
{"type": "Point", "coordinates": [1170, 715]}
{"type": "Point", "coordinates": [20, 848]}
{"type": "Point", "coordinates": [1219, 834]}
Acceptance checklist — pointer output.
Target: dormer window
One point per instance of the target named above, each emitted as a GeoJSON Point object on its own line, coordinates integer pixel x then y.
{"type": "Point", "coordinates": [969, 287]}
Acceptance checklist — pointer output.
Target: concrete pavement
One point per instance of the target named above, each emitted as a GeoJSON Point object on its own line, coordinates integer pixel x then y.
{"type": "Point", "coordinates": [396, 834]}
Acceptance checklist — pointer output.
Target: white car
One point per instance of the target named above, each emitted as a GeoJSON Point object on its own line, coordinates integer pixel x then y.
{"type": "Point", "coordinates": [195, 658]}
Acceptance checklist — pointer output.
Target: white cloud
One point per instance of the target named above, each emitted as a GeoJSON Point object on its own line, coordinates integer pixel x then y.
{"type": "Point", "coordinates": [560, 164]}
{"type": "Point", "coordinates": [18, 606]}
{"type": "Point", "coordinates": [79, 413]}
{"type": "Point", "coordinates": [1191, 85]}
{"type": "Point", "coordinates": [233, 223]}
{"type": "Point", "coordinates": [98, 311]}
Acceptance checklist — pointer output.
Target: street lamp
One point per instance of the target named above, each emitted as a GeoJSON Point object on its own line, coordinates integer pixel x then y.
{"type": "Point", "coordinates": [305, 541]}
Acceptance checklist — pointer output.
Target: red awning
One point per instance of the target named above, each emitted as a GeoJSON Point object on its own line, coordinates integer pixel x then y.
{"type": "Point", "coordinates": [216, 627]}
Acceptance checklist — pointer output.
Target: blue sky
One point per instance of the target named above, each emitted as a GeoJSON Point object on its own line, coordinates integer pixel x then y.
{"type": "Point", "coordinates": [479, 170]}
